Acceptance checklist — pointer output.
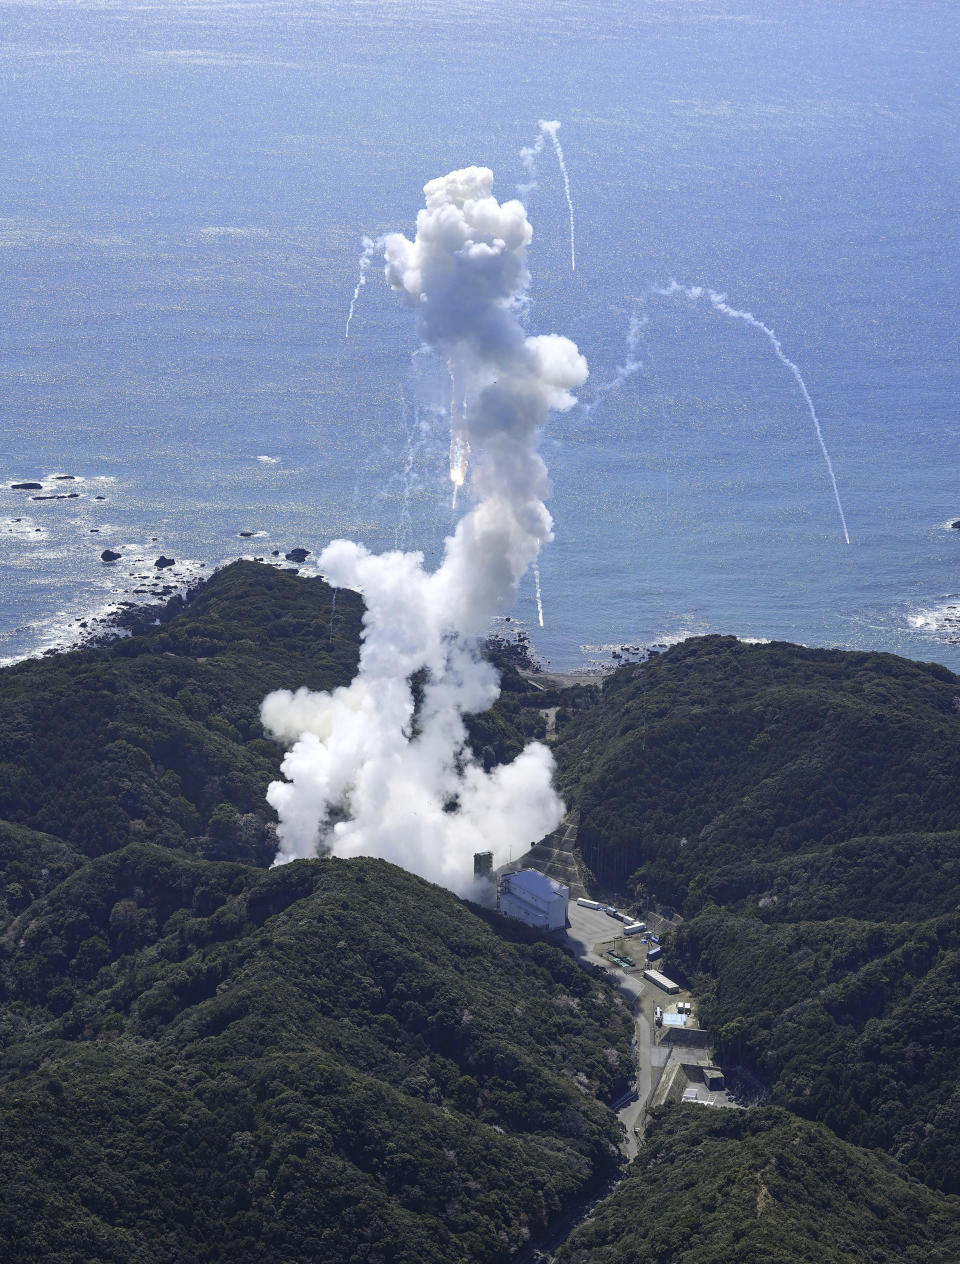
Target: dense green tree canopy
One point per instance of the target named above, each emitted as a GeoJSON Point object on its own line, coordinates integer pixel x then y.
{"type": "Point", "coordinates": [206, 1061]}
{"type": "Point", "coordinates": [762, 1187]}
{"type": "Point", "coordinates": [202, 1059]}
{"type": "Point", "coordinates": [717, 756]}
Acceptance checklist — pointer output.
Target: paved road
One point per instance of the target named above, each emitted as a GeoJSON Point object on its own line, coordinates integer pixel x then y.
{"type": "Point", "coordinates": [588, 927]}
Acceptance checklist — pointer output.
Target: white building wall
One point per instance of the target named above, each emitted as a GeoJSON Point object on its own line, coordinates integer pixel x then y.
{"type": "Point", "coordinates": [535, 900]}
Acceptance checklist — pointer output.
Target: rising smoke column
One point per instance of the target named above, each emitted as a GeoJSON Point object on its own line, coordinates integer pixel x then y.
{"type": "Point", "coordinates": [528, 156]}
{"type": "Point", "coordinates": [370, 772]}
{"type": "Point", "coordinates": [720, 304]}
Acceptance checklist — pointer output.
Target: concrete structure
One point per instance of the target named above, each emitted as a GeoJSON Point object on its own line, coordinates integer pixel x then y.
{"type": "Point", "coordinates": [690, 1082]}
{"type": "Point", "coordinates": [482, 864]}
{"type": "Point", "coordinates": [690, 1037]}
{"type": "Point", "coordinates": [534, 898]}
{"type": "Point", "coordinates": [556, 856]}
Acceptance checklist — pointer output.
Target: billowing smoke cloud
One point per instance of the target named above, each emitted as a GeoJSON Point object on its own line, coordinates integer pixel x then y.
{"type": "Point", "coordinates": [370, 771]}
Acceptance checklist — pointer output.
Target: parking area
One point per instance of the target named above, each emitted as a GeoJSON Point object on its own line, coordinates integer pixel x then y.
{"type": "Point", "coordinates": [666, 1027]}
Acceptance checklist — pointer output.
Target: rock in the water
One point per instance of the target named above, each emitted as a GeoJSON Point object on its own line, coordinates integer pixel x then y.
{"type": "Point", "coordinates": [163, 562]}
{"type": "Point", "coordinates": [65, 478]}
{"type": "Point", "coordinates": [108, 555]}
{"type": "Point", "coordinates": [297, 555]}
{"type": "Point", "coordinates": [99, 498]}
{"type": "Point", "coordinates": [245, 535]}
{"type": "Point", "coordinates": [26, 487]}
{"type": "Point", "coordinates": [956, 525]}
{"type": "Point", "coordinates": [275, 553]}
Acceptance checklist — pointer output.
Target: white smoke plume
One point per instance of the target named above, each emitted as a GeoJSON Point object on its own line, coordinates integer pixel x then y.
{"type": "Point", "coordinates": [720, 304]}
{"type": "Point", "coordinates": [370, 772]}
{"type": "Point", "coordinates": [537, 590]}
{"type": "Point", "coordinates": [528, 157]}
{"type": "Point", "coordinates": [370, 246]}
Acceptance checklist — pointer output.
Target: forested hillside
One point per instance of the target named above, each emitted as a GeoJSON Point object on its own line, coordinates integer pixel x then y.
{"type": "Point", "coordinates": [801, 807]}
{"type": "Point", "coordinates": [203, 1059]}
{"type": "Point", "coordinates": [716, 756]}
{"type": "Point", "coordinates": [760, 1186]}
{"type": "Point", "coordinates": [158, 736]}
{"type": "Point", "coordinates": [852, 1022]}
{"type": "Point", "coordinates": [329, 1061]}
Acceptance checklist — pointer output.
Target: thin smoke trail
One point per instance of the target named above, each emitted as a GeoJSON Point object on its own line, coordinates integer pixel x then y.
{"type": "Point", "coordinates": [536, 580]}
{"type": "Point", "coordinates": [551, 130]}
{"type": "Point", "coordinates": [370, 246]}
{"type": "Point", "coordinates": [333, 609]}
{"type": "Point", "coordinates": [528, 155]}
{"type": "Point", "coordinates": [720, 304]}
{"type": "Point", "coordinates": [623, 372]}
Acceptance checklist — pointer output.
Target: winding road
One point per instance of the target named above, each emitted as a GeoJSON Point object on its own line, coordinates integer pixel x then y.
{"type": "Point", "coordinates": [587, 928]}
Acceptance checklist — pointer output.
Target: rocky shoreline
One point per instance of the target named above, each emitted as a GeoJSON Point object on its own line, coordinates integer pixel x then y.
{"type": "Point", "coordinates": [133, 618]}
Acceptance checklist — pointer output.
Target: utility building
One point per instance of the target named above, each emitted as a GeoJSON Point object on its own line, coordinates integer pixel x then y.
{"type": "Point", "coordinates": [534, 898]}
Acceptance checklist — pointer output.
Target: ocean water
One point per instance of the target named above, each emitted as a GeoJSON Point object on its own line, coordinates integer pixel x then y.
{"type": "Point", "coordinates": [185, 188]}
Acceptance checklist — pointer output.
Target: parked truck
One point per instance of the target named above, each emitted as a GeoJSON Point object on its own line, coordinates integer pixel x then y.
{"type": "Point", "coordinates": [590, 904]}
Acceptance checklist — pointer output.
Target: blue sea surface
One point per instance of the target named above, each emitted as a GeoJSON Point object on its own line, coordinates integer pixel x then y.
{"type": "Point", "coordinates": [184, 190]}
